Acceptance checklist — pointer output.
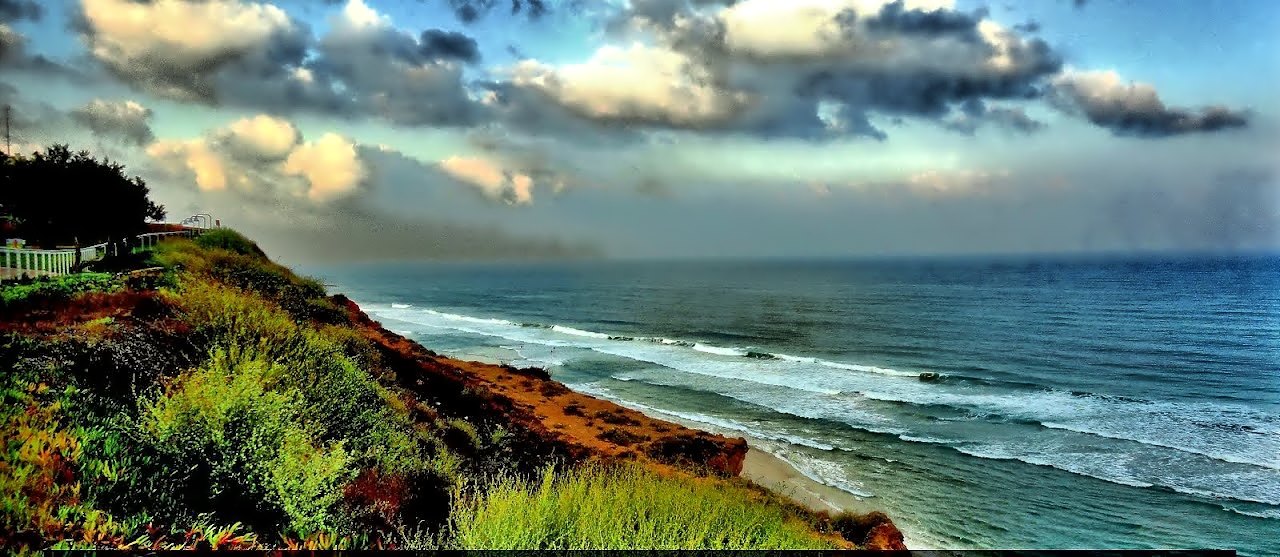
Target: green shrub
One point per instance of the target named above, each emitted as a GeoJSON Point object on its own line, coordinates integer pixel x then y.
{"type": "Point", "coordinates": [57, 288]}
{"type": "Point", "coordinates": [626, 507]}
{"type": "Point", "coordinates": [229, 437]}
{"type": "Point", "coordinates": [230, 240]}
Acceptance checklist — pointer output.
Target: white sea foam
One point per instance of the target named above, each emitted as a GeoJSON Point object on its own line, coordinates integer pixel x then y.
{"type": "Point", "coordinates": [577, 332]}
{"type": "Point", "coordinates": [718, 350]}
{"type": "Point", "coordinates": [1216, 455]}
{"type": "Point", "coordinates": [825, 389]}
{"type": "Point", "coordinates": [401, 306]}
{"type": "Point", "coordinates": [1273, 513]}
{"type": "Point", "coordinates": [468, 318]}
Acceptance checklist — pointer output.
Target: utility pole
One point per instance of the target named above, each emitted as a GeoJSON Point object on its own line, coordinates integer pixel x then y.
{"type": "Point", "coordinates": [7, 150]}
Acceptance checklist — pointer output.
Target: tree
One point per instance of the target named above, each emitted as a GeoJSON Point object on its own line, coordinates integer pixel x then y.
{"type": "Point", "coordinates": [58, 197]}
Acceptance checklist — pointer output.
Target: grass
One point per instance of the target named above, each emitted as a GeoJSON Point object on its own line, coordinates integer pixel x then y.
{"type": "Point", "coordinates": [55, 288]}
{"type": "Point", "coordinates": [624, 507]}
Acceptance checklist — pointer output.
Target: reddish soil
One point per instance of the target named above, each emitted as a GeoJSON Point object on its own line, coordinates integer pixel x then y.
{"type": "Point", "coordinates": [573, 424]}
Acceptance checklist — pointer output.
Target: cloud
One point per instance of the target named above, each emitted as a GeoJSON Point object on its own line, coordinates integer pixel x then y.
{"type": "Point", "coordinates": [495, 181]}
{"type": "Point", "coordinates": [235, 52]}
{"type": "Point", "coordinates": [183, 49]}
{"type": "Point", "coordinates": [468, 11]}
{"type": "Point", "coordinates": [126, 120]}
{"type": "Point", "coordinates": [391, 74]}
{"type": "Point", "coordinates": [635, 84]}
{"type": "Point", "coordinates": [975, 114]}
{"type": "Point", "coordinates": [330, 165]}
{"type": "Point", "coordinates": [196, 156]}
{"type": "Point", "coordinates": [361, 227]}
{"type": "Point", "coordinates": [811, 68]}
{"type": "Point", "coordinates": [14, 10]}
{"type": "Point", "coordinates": [14, 56]}
{"type": "Point", "coordinates": [264, 136]}
{"type": "Point", "coordinates": [264, 158]}
{"type": "Point", "coordinates": [1134, 109]}
{"type": "Point", "coordinates": [33, 122]}
{"type": "Point", "coordinates": [436, 43]}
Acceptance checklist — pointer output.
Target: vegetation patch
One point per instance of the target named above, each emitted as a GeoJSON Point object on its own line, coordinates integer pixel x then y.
{"type": "Point", "coordinates": [624, 507]}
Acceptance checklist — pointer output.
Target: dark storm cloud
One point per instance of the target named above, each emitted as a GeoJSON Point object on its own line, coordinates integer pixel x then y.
{"type": "Point", "coordinates": [1161, 123]}
{"type": "Point", "coordinates": [14, 10]}
{"type": "Point", "coordinates": [1134, 109]}
{"type": "Point", "coordinates": [1027, 27]}
{"type": "Point", "coordinates": [896, 18]}
{"type": "Point", "coordinates": [436, 43]}
{"type": "Point", "coordinates": [392, 75]}
{"type": "Point", "coordinates": [468, 11]}
{"type": "Point", "coordinates": [125, 120]}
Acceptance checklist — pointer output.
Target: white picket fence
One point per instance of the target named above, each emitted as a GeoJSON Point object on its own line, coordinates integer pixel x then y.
{"type": "Point", "coordinates": [16, 262]}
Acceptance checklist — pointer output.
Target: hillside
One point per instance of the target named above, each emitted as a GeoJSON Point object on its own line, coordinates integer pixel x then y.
{"type": "Point", "coordinates": [198, 395]}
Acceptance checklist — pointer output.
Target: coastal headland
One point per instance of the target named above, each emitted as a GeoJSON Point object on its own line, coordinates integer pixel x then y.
{"type": "Point", "coordinates": [197, 395]}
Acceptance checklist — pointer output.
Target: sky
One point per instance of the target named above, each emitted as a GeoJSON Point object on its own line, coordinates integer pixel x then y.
{"type": "Point", "coordinates": [461, 129]}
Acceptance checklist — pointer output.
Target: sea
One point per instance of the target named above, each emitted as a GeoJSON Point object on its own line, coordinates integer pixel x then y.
{"type": "Point", "coordinates": [995, 402]}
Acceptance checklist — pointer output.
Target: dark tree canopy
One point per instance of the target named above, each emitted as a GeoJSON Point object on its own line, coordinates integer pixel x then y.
{"type": "Point", "coordinates": [58, 197]}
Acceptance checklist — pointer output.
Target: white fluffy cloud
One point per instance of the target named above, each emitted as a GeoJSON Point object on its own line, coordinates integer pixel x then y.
{"type": "Point", "coordinates": [266, 136]}
{"type": "Point", "coordinates": [196, 157]}
{"type": "Point", "coordinates": [491, 178]}
{"type": "Point", "coordinates": [329, 164]}
{"type": "Point", "coordinates": [798, 28]}
{"type": "Point", "coordinates": [642, 83]}
{"type": "Point", "coordinates": [265, 156]}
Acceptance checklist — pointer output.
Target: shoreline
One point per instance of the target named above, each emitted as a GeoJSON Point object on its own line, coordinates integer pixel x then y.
{"type": "Point", "coordinates": [762, 467]}
{"type": "Point", "coordinates": [779, 476]}
{"type": "Point", "coordinates": [583, 423]}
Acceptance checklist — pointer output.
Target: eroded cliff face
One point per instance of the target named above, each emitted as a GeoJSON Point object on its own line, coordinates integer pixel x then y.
{"type": "Point", "coordinates": [549, 419]}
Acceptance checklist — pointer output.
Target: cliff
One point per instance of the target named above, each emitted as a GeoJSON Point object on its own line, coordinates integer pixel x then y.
{"type": "Point", "coordinates": [214, 399]}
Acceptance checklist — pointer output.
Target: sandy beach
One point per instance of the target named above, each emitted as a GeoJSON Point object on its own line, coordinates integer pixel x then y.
{"type": "Point", "coordinates": [779, 476]}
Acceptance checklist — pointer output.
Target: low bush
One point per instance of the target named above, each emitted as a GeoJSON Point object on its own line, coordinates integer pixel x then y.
{"type": "Point", "coordinates": [46, 289]}
{"type": "Point", "coordinates": [230, 240]}
{"type": "Point", "coordinates": [238, 448]}
{"type": "Point", "coordinates": [624, 507]}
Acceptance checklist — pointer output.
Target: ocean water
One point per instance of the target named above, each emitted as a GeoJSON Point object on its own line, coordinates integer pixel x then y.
{"type": "Point", "coordinates": [1064, 403]}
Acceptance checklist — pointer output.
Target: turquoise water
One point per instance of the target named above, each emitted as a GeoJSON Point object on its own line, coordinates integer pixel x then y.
{"type": "Point", "coordinates": [1065, 403]}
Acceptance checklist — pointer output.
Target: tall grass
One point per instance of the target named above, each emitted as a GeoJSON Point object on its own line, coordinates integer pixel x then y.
{"type": "Point", "coordinates": [624, 507]}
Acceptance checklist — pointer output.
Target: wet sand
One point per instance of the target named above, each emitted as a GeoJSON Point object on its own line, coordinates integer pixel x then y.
{"type": "Point", "coordinates": [780, 477]}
